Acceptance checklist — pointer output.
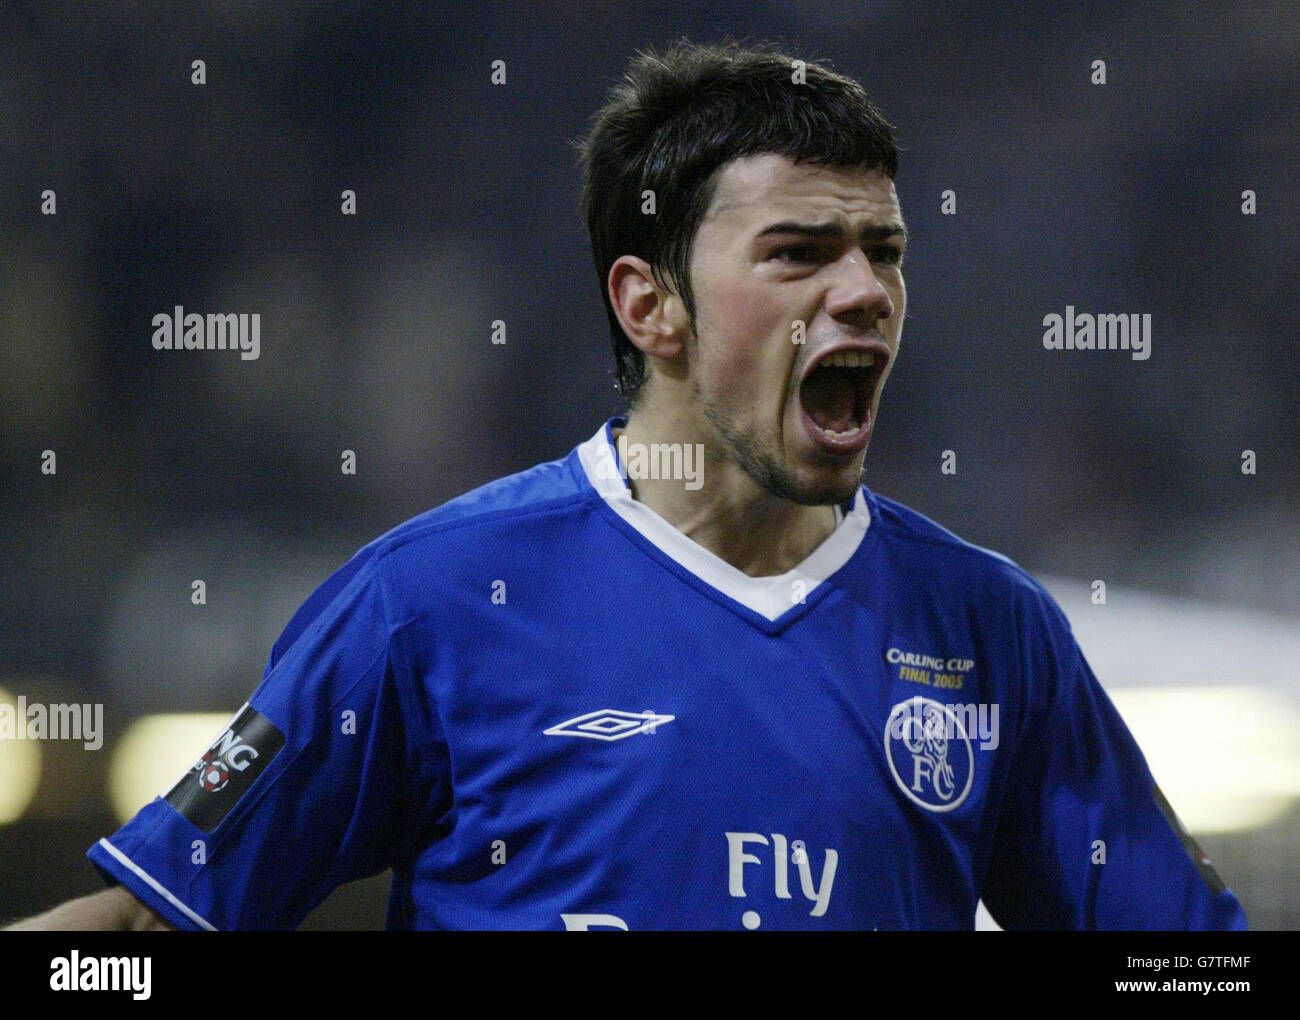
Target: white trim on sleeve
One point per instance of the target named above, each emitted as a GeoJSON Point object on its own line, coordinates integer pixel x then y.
{"type": "Point", "coordinates": [155, 885]}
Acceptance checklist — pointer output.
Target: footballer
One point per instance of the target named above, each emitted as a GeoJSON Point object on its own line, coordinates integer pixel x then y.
{"type": "Point", "coordinates": [694, 674]}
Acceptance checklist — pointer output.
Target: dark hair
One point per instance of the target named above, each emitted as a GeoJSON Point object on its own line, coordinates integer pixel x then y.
{"type": "Point", "coordinates": [670, 125]}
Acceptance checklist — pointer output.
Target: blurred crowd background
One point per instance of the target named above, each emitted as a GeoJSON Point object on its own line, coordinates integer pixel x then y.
{"type": "Point", "coordinates": [376, 328]}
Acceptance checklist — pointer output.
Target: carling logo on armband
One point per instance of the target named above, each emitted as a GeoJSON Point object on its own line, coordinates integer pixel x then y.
{"type": "Point", "coordinates": [214, 783]}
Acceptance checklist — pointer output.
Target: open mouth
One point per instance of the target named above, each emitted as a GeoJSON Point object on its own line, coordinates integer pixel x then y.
{"type": "Point", "coordinates": [836, 398]}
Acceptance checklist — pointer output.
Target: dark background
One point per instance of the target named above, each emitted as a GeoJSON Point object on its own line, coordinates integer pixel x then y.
{"type": "Point", "coordinates": [1123, 197]}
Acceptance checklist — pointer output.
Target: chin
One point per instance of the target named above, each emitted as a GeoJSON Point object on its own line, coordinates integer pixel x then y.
{"type": "Point", "coordinates": [828, 494]}
{"type": "Point", "coordinates": [823, 481]}
{"type": "Point", "coordinates": [815, 487]}
{"type": "Point", "coordinates": [807, 484]}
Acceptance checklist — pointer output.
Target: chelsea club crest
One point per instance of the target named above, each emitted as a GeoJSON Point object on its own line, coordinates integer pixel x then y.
{"type": "Point", "coordinates": [929, 753]}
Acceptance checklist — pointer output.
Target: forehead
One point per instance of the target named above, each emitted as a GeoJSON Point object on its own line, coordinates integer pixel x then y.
{"type": "Point", "coordinates": [755, 189]}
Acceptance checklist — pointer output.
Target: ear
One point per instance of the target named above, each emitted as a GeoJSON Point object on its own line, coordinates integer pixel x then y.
{"type": "Point", "coordinates": [654, 319]}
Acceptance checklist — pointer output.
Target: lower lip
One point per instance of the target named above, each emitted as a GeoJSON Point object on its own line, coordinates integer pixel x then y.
{"type": "Point", "coordinates": [842, 447]}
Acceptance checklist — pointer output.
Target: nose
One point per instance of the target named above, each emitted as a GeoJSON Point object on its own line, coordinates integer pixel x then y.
{"type": "Point", "coordinates": [857, 292]}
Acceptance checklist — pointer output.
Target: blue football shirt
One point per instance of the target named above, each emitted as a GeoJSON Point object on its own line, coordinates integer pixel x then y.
{"type": "Point", "coordinates": [544, 707]}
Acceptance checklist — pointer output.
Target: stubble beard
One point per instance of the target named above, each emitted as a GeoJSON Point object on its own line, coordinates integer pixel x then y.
{"type": "Point", "coordinates": [767, 471]}
{"type": "Point", "coordinates": [758, 460]}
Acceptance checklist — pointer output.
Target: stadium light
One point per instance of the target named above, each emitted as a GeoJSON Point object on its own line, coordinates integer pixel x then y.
{"type": "Point", "coordinates": [1206, 692]}
{"type": "Point", "coordinates": [1226, 758]}
{"type": "Point", "coordinates": [20, 770]}
{"type": "Point", "coordinates": [154, 752]}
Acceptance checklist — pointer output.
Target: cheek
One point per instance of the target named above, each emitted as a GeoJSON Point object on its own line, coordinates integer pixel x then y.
{"type": "Point", "coordinates": [745, 337]}
{"type": "Point", "coordinates": [900, 305]}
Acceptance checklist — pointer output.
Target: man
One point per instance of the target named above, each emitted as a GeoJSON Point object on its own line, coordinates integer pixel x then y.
{"type": "Point", "coordinates": [694, 674]}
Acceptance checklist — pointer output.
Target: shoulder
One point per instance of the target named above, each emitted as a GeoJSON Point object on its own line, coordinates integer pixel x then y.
{"type": "Point", "coordinates": [921, 550]}
{"type": "Point", "coordinates": [553, 489]}
{"type": "Point", "coordinates": [409, 558]}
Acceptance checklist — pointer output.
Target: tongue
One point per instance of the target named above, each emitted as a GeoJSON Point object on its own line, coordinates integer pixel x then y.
{"type": "Point", "coordinates": [828, 396]}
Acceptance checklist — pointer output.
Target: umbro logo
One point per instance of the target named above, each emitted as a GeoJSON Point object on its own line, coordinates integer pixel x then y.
{"type": "Point", "coordinates": [609, 724]}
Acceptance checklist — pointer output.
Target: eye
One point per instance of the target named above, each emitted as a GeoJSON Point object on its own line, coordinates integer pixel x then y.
{"type": "Point", "coordinates": [887, 253]}
{"type": "Point", "coordinates": [796, 253]}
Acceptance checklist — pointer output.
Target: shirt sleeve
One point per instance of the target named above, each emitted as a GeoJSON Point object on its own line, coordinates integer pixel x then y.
{"type": "Point", "coordinates": [1085, 839]}
{"type": "Point", "coordinates": [316, 781]}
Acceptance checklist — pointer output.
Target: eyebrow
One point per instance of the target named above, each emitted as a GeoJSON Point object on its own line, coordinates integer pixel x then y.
{"type": "Point", "coordinates": [874, 232]}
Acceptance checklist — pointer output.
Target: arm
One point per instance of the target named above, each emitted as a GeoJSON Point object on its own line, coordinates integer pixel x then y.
{"type": "Point", "coordinates": [1086, 840]}
{"type": "Point", "coordinates": [318, 780]}
{"type": "Point", "coordinates": [111, 910]}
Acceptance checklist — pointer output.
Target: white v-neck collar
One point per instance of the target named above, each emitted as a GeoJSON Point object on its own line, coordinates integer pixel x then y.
{"type": "Point", "coordinates": [770, 597]}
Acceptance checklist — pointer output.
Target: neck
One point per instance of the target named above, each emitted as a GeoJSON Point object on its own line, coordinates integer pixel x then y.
{"type": "Point", "coordinates": [721, 507]}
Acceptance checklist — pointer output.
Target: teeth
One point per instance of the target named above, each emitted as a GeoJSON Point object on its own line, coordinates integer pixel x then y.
{"type": "Point", "coordinates": [851, 359]}
{"type": "Point", "coordinates": [842, 435]}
